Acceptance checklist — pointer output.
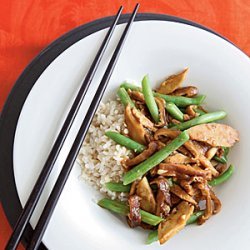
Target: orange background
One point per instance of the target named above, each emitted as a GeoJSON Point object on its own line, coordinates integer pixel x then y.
{"type": "Point", "coordinates": [28, 26]}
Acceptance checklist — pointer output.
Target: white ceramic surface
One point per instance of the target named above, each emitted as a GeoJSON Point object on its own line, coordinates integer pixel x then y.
{"type": "Point", "coordinates": [159, 48]}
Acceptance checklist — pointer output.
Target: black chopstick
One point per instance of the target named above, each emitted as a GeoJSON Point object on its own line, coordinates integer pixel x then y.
{"type": "Point", "coordinates": [66, 169]}
{"type": "Point", "coordinates": [48, 166]}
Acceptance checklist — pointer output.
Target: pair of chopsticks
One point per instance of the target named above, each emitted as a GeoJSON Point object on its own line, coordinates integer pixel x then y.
{"type": "Point", "coordinates": [66, 169]}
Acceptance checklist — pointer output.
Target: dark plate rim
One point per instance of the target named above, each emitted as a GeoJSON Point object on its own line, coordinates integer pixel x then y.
{"type": "Point", "coordinates": [13, 106]}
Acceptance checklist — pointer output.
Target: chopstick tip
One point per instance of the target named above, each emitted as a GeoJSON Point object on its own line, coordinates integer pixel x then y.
{"type": "Point", "coordinates": [136, 8]}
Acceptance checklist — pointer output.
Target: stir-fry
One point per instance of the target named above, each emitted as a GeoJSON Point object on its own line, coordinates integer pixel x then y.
{"type": "Point", "coordinates": [179, 155]}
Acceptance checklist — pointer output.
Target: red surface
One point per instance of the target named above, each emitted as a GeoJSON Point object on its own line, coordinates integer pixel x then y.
{"type": "Point", "coordinates": [28, 26]}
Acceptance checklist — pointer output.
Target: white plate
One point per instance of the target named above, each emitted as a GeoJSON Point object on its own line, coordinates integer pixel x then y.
{"type": "Point", "coordinates": [160, 48]}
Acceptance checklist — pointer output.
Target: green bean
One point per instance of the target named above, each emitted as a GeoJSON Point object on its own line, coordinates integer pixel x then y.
{"type": "Point", "coordinates": [149, 98]}
{"type": "Point", "coordinates": [130, 86]}
{"type": "Point", "coordinates": [171, 124]}
{"type": "Point", "coordinates": [153, 235]}
{"type": "Point", "coordinates": [183, 110]}
{"type": "Point", "coordinates": [125, 141]}
{"type": "Point", "coordinates": [223, 177]}
{"type": "Point", "coordinates": [226, 151]}
{"type": "Point", "coordinates": [209, 117]}
{"type": "Point", "coordinates": [200, 111]}
{"type": "Point", "coordinates": [139, 170]}
{"type": "Point", "coordinates": [117, 187]}
{"type": "Point", "coordinates": [114, 206]}
{"type": "Point", "coordinates": [122, 208]}
{"type": "Point", "coordinates": [194, 217]}
{"type": "Point", "coordinates": [180, 101]}
{"type": "Point", "coordinates": [223, 158]}
{"type": "Point", "coordinates": [174, 111]}
{"type": "Point", "coordinates": [149, 218]}
{"type": "Point", "coordinates": [125, 98]}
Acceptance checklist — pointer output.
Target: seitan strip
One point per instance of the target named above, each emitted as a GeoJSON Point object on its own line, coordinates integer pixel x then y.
{"type": "Point", "coordinates": [178, 191]}
{"type": "Point", "coordinates": [152, 148]}
{"type": "Point", "coordinates": [172, 83]}
{"type": "Point", "coordinates": [214, 134]}
{"type": "Point", "coordinates": [147, 200]}
{"type": "Point", "coordinates": [184, 169]}
{"type": "Point", "coordinates": [135, 128]}
{"type": "Point", "coordinates": [175, 222]}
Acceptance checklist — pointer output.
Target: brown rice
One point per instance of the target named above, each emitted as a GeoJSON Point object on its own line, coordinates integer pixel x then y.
{"type": "Point", "coordinates": [99, 156]}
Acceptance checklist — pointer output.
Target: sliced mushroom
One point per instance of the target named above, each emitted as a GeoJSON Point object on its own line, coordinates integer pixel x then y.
{"type": "Point", "coordinates": [184, 151]}
{"type": "Point", "coordinates": [205, 191]}
{"type": "Point", "coordinates": [179, 159]}
{"type": "Point", "coordinates": [190, 110]}
{"type": "Point", "coordinates": [198, 153]}
{"type": "Point", "coordinates": [163, 198]}
{"type": "Point", "coordinates": [152, 148]}
{"type": "Point", "coordinates": [172, 83]}
{"type": "Point", "coordinates": [149, 138]}
{"type": "Point", "coordinates": [183, 169]}
{"type": "Point", "coordinates": [136, 95]}
{"type": "Point", "coordinates": [135, 128]}
{"type": "Point", "coordinates": [178, 191]}
{"type": "Point", "coordinates": [186, 117]}
{"type": "Point", "coordinates": [208, 165]}
{"type": "Point", "coordinates": [160, 145]}
{"type": "Point", "coordinates": [187, 184]}
{"type": "Point", "coordinates": [172, 173]}
{"type": "Point", "coordinates": [188, 91]}
{"type": "Point", "coordinates": [197, 166]}
{"type": "Point", "coordinates": [144, 121]}
{"type": "Point", "coordinates": [201, 147]}
{"type": "Point", "coordinates": [197, 194]}
{"type": "Point", "coordinates": [174, 121]}
{"type": "Point", "coordinates": [162, 112]}
{"type": "Point", "coordinates": [144, 191]}
{"type": "Point", "coordinates": [214, 134]}
{"type": "Point", "coordinates": [175, 222]}
{"type": "Point", "coordinates": [168, 117]}
{"type": "Point", "coordinates": [134, 208]}
{"type": "Point", "coordinates": [216, 201]}
{"type": "Point", "coordinates": [166, 132]}
{"type": "Point", "coordinates": [140, 105]}
{"type": "Point", "coordinates": [194, 150]}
